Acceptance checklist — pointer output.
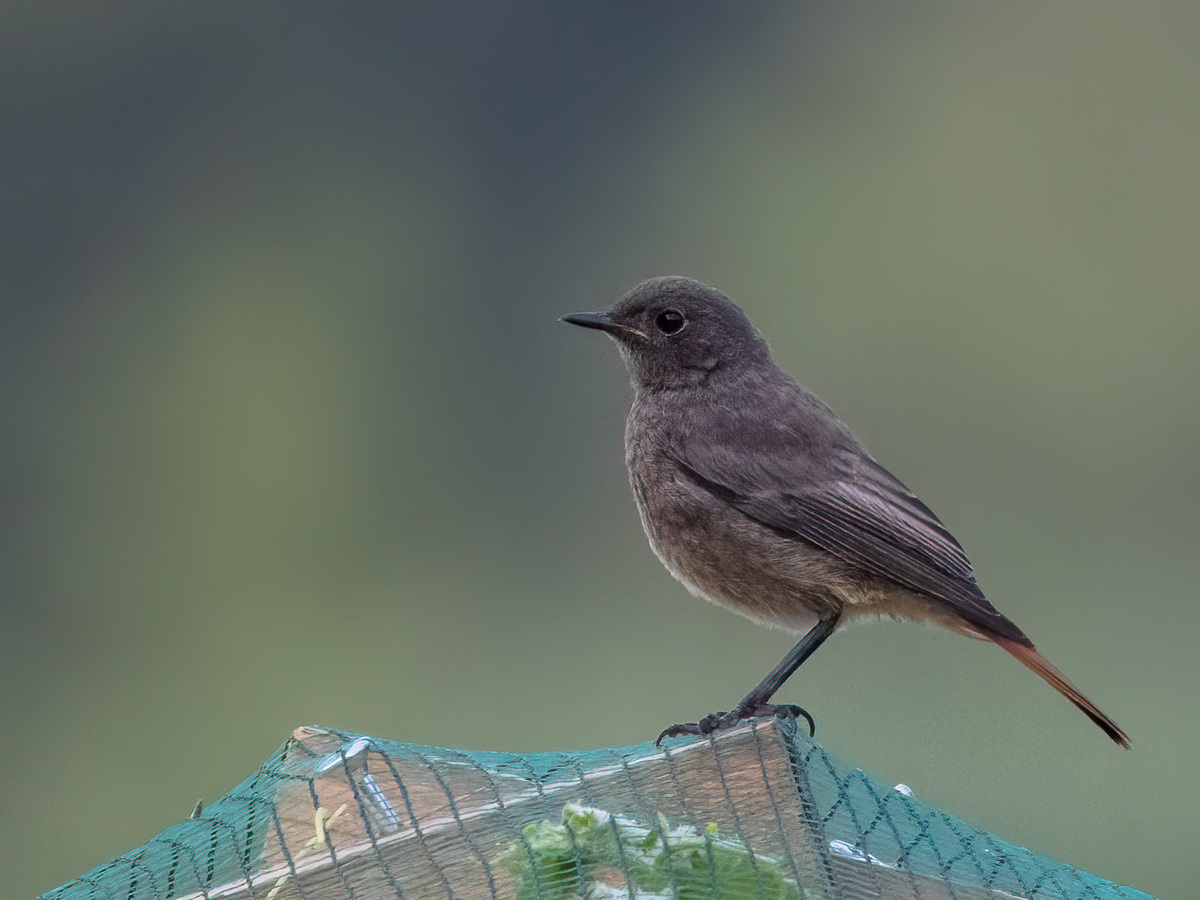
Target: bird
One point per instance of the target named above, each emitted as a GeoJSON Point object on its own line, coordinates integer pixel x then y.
{"type": "Point", "coordinates": [757, 497]}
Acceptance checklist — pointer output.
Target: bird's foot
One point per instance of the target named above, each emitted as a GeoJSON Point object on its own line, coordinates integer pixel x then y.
{"type": "Point", "coordinates": [719, 721]}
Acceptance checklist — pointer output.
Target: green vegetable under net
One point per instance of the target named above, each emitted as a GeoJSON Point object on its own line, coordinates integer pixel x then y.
{"type": "Point", "coordinates": [595, 854]}
{"type": "Point", "coordinates": [758, 812]}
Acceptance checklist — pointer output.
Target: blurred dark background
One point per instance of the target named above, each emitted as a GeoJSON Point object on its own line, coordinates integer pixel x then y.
{"type": "Point", "coordinates": [291, 433]}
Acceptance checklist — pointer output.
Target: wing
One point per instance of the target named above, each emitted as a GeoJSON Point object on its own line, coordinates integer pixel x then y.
{"type": "Point", "coordinates": [801, 473]}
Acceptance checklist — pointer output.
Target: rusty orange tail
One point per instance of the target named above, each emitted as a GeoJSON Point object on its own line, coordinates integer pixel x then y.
{"type": "Point", "coordinates": [1057, 680]}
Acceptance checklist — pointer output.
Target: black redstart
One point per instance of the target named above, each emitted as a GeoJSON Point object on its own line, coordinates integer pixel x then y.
{"type": "Point", "coordinates": [757, 497]}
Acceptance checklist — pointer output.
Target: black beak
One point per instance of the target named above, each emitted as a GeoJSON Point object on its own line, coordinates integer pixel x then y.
{"type": "Point", "coordinates": [602, 322]}
{"type": "Point", "coordinates": [591, 320]}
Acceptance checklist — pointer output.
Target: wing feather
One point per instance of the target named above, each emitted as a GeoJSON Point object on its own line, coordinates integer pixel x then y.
{"type": "Point", "coordinates": [820, 487]}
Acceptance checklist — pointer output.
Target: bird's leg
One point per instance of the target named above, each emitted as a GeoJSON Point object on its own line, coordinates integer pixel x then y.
{"type": "Point", "coordinates": [755, 703]}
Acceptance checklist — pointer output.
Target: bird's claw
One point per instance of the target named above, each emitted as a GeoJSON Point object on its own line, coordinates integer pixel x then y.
{"type": "Point", "coordinates": [719, 721]}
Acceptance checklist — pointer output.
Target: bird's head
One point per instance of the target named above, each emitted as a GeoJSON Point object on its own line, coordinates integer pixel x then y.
{"type": "Point", "coordinates": [673, 332]}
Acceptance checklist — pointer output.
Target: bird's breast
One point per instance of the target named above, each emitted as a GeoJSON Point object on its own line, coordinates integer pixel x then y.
{"type": "Point", "coordinates": [724, 556]}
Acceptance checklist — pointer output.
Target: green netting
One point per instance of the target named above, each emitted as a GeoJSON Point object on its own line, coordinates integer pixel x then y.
{"type": "Point", "coordinates": [759, 812]}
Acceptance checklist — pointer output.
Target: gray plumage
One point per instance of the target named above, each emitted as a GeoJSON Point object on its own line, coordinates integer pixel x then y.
{"type": "Point", "coordinates": [757, 497]}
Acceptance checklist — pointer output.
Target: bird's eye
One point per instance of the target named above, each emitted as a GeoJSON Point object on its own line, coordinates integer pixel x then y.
{"type": "Point", "coordinates": [670, 321]}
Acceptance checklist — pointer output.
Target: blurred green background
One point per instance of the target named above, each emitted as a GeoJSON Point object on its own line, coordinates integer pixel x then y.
{"type": "Point", "coordinates": [291, 433]}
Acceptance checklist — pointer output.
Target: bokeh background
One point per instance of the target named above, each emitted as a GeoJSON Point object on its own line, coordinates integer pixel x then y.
{"type": "Point", "coordinates": [291, 433]}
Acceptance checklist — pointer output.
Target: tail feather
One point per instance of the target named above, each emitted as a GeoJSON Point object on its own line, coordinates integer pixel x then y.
{"type": "Point", "coordinates": [1057, 680]}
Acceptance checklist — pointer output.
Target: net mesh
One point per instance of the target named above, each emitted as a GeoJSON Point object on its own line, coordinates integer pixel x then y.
{"type": "Point", "coordinates": [759, 811]}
